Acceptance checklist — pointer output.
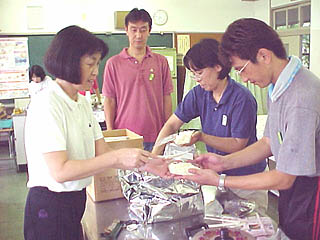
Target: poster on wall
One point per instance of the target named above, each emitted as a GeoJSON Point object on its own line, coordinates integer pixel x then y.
{"type": "Point", "coordinates": [14, 65]}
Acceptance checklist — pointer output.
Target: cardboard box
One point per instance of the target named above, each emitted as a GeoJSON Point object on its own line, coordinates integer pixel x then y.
{"type": "Point", "coordinates": [106, 186]}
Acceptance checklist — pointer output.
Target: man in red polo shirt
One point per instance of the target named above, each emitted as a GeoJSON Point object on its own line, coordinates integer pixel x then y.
{"type": "Point", "coordinates": [137, 83]}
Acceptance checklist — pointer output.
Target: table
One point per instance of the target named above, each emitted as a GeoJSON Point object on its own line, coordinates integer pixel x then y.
{"type": "Point", "coordinates": [99, 215]}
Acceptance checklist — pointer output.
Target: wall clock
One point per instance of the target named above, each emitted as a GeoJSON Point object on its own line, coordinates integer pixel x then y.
{"type": "Point", "coordinates": [160, 17]}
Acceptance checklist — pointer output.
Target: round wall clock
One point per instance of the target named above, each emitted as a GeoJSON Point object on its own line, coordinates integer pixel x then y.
{"type": "Point", "coordinates": [160, 17]}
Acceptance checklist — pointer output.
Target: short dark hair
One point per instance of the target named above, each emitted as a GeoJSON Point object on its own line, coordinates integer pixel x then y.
{"type": "Point", "coordinates": [244, 38]}
{"type": "Point", "coordinates": [205, 54]}
{"type": "Point", "coordinates": [38, 71]}
{"type": "Point", "coordinates": [136, 15]}
{"type": "Point", "coordinates": [62, 58]}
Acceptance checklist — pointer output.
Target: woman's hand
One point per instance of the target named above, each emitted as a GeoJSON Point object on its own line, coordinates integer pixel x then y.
{"type": "Point", "coordinates": [131, 158]}
{"type": "Point", "coordinates": [195, 137]}
{"type": "Point", "coordinates": [157, 166]}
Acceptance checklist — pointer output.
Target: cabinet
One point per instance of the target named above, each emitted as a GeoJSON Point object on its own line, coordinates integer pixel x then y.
{"type": "Point", "coordinates": [171, 55]}
{"type": "Point", "coordinates": [18, 126]}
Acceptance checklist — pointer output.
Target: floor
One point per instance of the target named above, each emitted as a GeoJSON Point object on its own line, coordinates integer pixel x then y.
{"type": "Point", "coordinates": [12, 197]}
{"type": "Point", "coordinates": [13, 193]}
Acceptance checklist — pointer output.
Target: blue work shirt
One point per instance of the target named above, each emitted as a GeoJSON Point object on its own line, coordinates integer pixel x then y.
{"type": "Point", "coordinates": [234, 116]}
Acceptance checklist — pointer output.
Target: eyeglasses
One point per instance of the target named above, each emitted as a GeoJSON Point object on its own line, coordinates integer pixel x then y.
{"type": "Point", "coordinates": [196, 76]}
{"type": "Point", "coordinates": [238, 72]}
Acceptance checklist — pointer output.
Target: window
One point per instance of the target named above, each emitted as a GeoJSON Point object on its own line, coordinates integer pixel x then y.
{"type": "Point", "coordinates": [292, 17]}
{"type": "Point", "coordinates": [305, 12]}
{"type": "Point", "coordinates": [293, 20]}
{"type": "Point", "coordinates": [281, 20]}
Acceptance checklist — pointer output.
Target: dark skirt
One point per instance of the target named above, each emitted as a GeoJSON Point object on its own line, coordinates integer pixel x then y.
{"type": "Point", "coordinates": [53, 215]}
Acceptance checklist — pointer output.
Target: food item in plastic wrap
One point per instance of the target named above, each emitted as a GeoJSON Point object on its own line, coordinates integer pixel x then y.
{"type": "Point", "coordinates": [181, 168]}
{"type": "Point", "coordinates": [183, 137]}
{"type": "Point", "coordinates": [220, 234]}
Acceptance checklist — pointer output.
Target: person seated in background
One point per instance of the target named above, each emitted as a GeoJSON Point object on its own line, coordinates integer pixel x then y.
{"type": "Point", "coordinates": [94, 90]}
{"type": "Point", "coordinates": [38, 80]}
{"type": "Point", "coordinates": [227, 111]}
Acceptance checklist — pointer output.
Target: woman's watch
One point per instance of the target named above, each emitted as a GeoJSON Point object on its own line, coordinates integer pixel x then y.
{"type": "Point", "coordinates": [221, 187]}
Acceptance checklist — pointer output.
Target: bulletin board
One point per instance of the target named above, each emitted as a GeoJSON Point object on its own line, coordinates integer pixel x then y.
{"type": "Point", "coordinates": [196, 37]}
{"type": "Point", "coordinates": [14, 64]}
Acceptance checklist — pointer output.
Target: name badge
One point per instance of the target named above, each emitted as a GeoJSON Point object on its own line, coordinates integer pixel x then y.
{"type": "Point", "coordinates": [224, 120]}
{"type": "Point", "coordinates": [280, 138]}
{"type": "Point", "coordinates": [151, 75]}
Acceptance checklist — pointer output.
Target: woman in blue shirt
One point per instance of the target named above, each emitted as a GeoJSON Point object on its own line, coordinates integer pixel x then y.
{"type": "Point", "coordinates": [227, 111]}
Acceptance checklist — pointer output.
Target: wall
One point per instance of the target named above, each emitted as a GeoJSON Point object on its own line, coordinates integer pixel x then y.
{"type": "Point", "coordinates": [97, 15]}
{"type": "Point", "coordinates": [184, 15]}
{"type": "Point", "coordinates": [280, 3]}
{"type": "Point", "coordinates": [261, 10]}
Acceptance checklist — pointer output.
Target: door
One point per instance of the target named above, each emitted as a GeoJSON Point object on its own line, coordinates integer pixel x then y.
{"type": "Point", "coordinates": [292, 45]}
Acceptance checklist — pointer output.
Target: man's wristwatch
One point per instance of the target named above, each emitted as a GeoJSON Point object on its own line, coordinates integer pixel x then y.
{"type": "Point", "coordinates": [221, 183]}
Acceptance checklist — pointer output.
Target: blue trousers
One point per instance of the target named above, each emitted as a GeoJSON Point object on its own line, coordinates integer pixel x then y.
{"type": "Point", "coordinates": [53, 215]}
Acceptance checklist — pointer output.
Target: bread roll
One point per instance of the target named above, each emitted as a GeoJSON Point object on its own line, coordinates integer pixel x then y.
{"type": "Point", "coordinates": [183, 137]}
{"type": "Point", "coordinates": [181, 168]}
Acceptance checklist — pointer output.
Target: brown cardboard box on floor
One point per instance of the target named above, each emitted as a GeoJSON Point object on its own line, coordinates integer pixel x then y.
{"type": "Point", "coordinates": [106, 186]}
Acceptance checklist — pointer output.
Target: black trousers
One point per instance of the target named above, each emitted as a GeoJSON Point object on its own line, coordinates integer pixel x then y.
{"type": "Point", "coordinates": [53, 215]}
{"type": "Point", "coordinates": [299, 209]}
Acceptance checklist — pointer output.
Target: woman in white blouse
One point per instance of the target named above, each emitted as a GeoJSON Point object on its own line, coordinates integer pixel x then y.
{"type": "Point", "coordinates": [64, 143]}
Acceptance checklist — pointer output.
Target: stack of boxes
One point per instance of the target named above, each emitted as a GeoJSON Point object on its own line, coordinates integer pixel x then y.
{"type": "Point", "coordinates": [106, 186]}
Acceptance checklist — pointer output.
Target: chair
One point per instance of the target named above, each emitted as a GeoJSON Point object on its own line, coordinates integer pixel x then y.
{"type": "Point", "coordinates": [6, 132]}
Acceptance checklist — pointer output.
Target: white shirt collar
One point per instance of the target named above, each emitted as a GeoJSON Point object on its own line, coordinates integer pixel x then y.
{"type": "Point", "coordinates": [285, 78]}
{"type": "Point", "coordinates": [69, 101]}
